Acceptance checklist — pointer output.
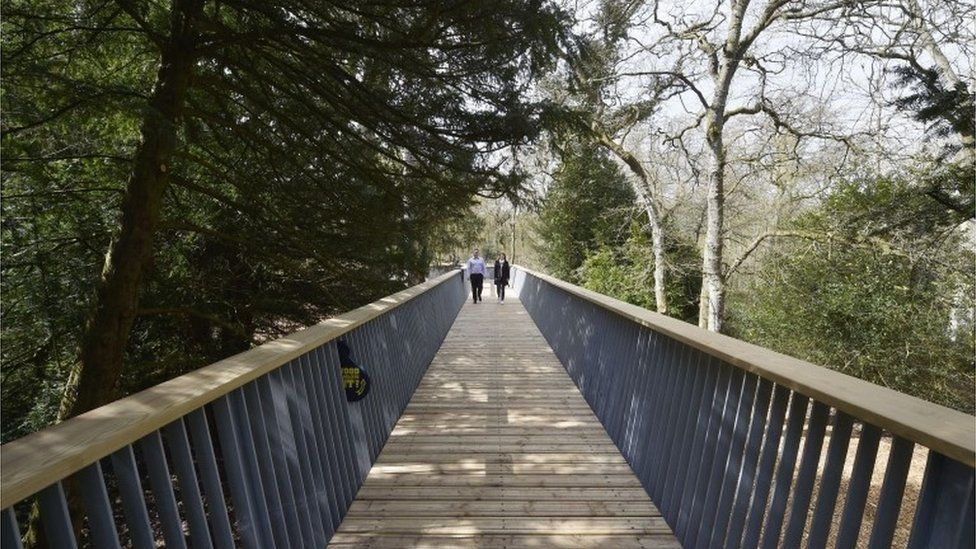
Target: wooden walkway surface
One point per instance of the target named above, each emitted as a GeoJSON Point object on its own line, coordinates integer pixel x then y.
{"type": "Point", "coordinates": [497, 448]}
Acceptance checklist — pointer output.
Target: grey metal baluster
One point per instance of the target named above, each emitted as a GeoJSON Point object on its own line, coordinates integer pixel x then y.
{"type": "Point", "coordinates": [400, 369]}
{"type": "Point", "coordinates": [313, 482]}
{"type": "Point", "coordinates": [283, 451]}
{"type": "Point", "coordinates": [179, 448]}
{"type": "Point", "coordinates": [784, 473]}
{"type": "Point", "coordinates": [250, 509]}
{"type": "Point", "coordinates": [674, 480]}
{"type": "Point", "coordinates": [94, 497]}
{"type": "Point", "coordinates": [354, 415]}
{"type": "Point", "coordinates": [366, 406]}
{"type": "Point", "coordinates": [733, 466]}
{"type": "Point", "coordinates": [335, 426]}
{"type": "Point", "coordinates": [318, 438]}
{"type": "Point", "coordinates": [626, 367]}
{"type": "Point", "coordinates": [133, 498]}
{"type": "Point", "coordinates": [680, 516]}
{"type": "Point", "coordinates": [654, 388]}
{"type": "Point", "coordinates": [764, 474]}
{"type": "Point", "coordinates": [162, 488]}
{"type": "Point", "coordinates": [892, 493]}
{"type": "Point", "coordinates": [55, 517]}
{"type": "Point", "coordinates": [637, 456]}
{"type": "Point", "coordinates": [386, 373]}
{"type": "Point", "coordinates": [213, 489]}
{"type": "Point", "coordinates": [701, 465]}
{"type": "Point", "coordinates": [636, 412]}
{"type": "Point", "coordinates": [267, 449]}
{"type": "Point", "coordinates": [943, 517]}
{"type": "Point", "coordinates": [608, 335]}
{"type": "Point", "coordinates": [807, 475]}
{"type": "Point", "coordinates": [680, 399]}
{"type": "Point", "coordinates": [703, 512]}
{"type": "Point", "coordinates": [750, 463]}
{"type": "Point", "coordinates": [10, 536]}
{"type": "Point", "coordinates": [823, 515]}
{"type": "Point", "coordinates": [858, 487]}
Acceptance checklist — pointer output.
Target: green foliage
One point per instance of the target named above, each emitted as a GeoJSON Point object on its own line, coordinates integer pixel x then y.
{"type": "Point", "coordinates": [882, 290]}
{"type": "Point", "coordinates": [323, 149]}
{"type": "Point", "coordinates": [945, 110]}
{"type": "Point", "coordinates": [626, 272]}
{"type": "Point", "coordinates": [590, 205]}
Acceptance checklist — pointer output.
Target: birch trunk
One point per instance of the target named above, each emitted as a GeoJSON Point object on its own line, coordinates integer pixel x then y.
{"type": "Point", "coordinates": [712, 279]}
{"type": "Point", "coordinates": [642, 188]}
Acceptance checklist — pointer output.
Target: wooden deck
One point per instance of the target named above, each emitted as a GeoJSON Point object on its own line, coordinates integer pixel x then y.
{"type": "Point", "coordinates": [497, 448]}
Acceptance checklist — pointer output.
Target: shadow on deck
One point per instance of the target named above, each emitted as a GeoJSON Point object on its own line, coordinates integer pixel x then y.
{"type": "Point", "coordinates": [497, 448]}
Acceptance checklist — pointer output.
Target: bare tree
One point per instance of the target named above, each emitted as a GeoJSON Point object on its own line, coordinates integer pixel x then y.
{"type": "Point", "coordinates": [710, 59]}
{"type": "Point", "coordinates": [607, 117]}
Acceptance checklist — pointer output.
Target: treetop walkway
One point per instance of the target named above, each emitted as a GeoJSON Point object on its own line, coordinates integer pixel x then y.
{"type": "Point", "coordinates": [563, 418]}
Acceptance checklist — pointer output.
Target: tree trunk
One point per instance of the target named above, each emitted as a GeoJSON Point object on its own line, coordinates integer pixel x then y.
{"type": "Point", "coordinates": [660, 267]}
{"type": "Point", "coordinates": [114, 310]}
{"type": "Point", "coordinates": [703, 307]}
{"type": "Point", "coordinates": [642, 189]}
{"type": "Point", "coordinates": [712, 278]}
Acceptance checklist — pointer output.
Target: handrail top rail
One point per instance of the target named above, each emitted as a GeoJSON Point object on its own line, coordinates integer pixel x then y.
{"type": "Point", "coordinates": [947, 431]}
{"type": "Point", "coordinates": [33, 462]}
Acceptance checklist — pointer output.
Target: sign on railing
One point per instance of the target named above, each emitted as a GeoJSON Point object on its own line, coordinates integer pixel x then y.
{"type": "Point", "coordinates": [354, 377]}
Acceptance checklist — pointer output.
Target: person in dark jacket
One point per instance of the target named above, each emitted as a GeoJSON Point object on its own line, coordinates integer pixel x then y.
{"type": "Point", "coordinates": [502, 273]}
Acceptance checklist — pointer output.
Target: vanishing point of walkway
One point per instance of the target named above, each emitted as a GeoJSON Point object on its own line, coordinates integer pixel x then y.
{"type": "Point", "coordinates": [497, 448]}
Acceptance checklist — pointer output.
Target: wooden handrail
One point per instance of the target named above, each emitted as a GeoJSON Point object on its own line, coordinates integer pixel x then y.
{"type": "Point", "coordinates": [949, 432]}
{"type": "Point", "coordinates": [35, 461]}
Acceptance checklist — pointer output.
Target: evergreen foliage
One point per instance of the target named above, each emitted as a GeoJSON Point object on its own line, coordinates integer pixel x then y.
{"type": "Point", "coordinates": [880, 290]}
{"type": "Point", "coordinates": [304, 156]}
{"type": "Point", "coordinates": [626, 272]}
{"type": "Point", "coordinates": [589, 205]}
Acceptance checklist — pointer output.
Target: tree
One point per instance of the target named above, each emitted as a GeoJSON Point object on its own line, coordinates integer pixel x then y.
{"type": "Point", "coordinates": [588, 204]}
{"type": "Point", "coordinates": [601, 115]}
{"type": "Point", "coordinates": [876, 283]}
{"type": "Point", "coordinates": [229, 124]}
{"type": "Point", "coordinates": [626, 272]}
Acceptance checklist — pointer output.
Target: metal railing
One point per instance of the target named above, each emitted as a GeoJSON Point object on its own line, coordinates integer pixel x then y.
{"type": "Point", "coordinates": [258, 450]}
{"type": "Point", "coordinates": [713, 428]}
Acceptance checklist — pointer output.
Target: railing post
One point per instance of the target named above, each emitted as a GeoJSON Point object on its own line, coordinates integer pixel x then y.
{"type": "Point", "coordinates": [94, 497]}
{"type": "Point", "coordinates": [55, 517]}
{"type": "Point", "coordinates": [9, 531]}
{"type": "Point", "coordinates": [944, 516]}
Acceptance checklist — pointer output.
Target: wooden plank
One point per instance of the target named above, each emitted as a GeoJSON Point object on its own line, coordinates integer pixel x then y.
{"type": "Point", "coordinates": [586, 459]}
{"type": "Point", "coordinates": [506, 525]}
{"type": "Point", "coordinates": [571, 447]}
{"type": "Point", "coordinates": [476, 508]}
{"type": "Point", "coordinates": [509, 493]}
{"type": "Point", "coordinates": [414, 467]}
{"type": "Point", "coordinates": [380, 540]}
{"type": "Point", "coordinates": [625, 480]}
{"type": "Point", "coordinates": [507, 439]}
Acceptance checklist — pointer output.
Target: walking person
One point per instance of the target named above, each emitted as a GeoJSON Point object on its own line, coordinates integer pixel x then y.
{"type": "Point", "coordinates": [476, 274]}
{"type": "Point", "coordinates": [502, 273]}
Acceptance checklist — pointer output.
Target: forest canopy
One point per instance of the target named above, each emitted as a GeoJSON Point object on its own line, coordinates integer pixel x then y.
{"type": "Point", "coordinates": [182, 180]}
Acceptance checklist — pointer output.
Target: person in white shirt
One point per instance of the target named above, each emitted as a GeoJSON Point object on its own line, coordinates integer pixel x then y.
{"type": "Point", "coordinates": [476, 274]}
